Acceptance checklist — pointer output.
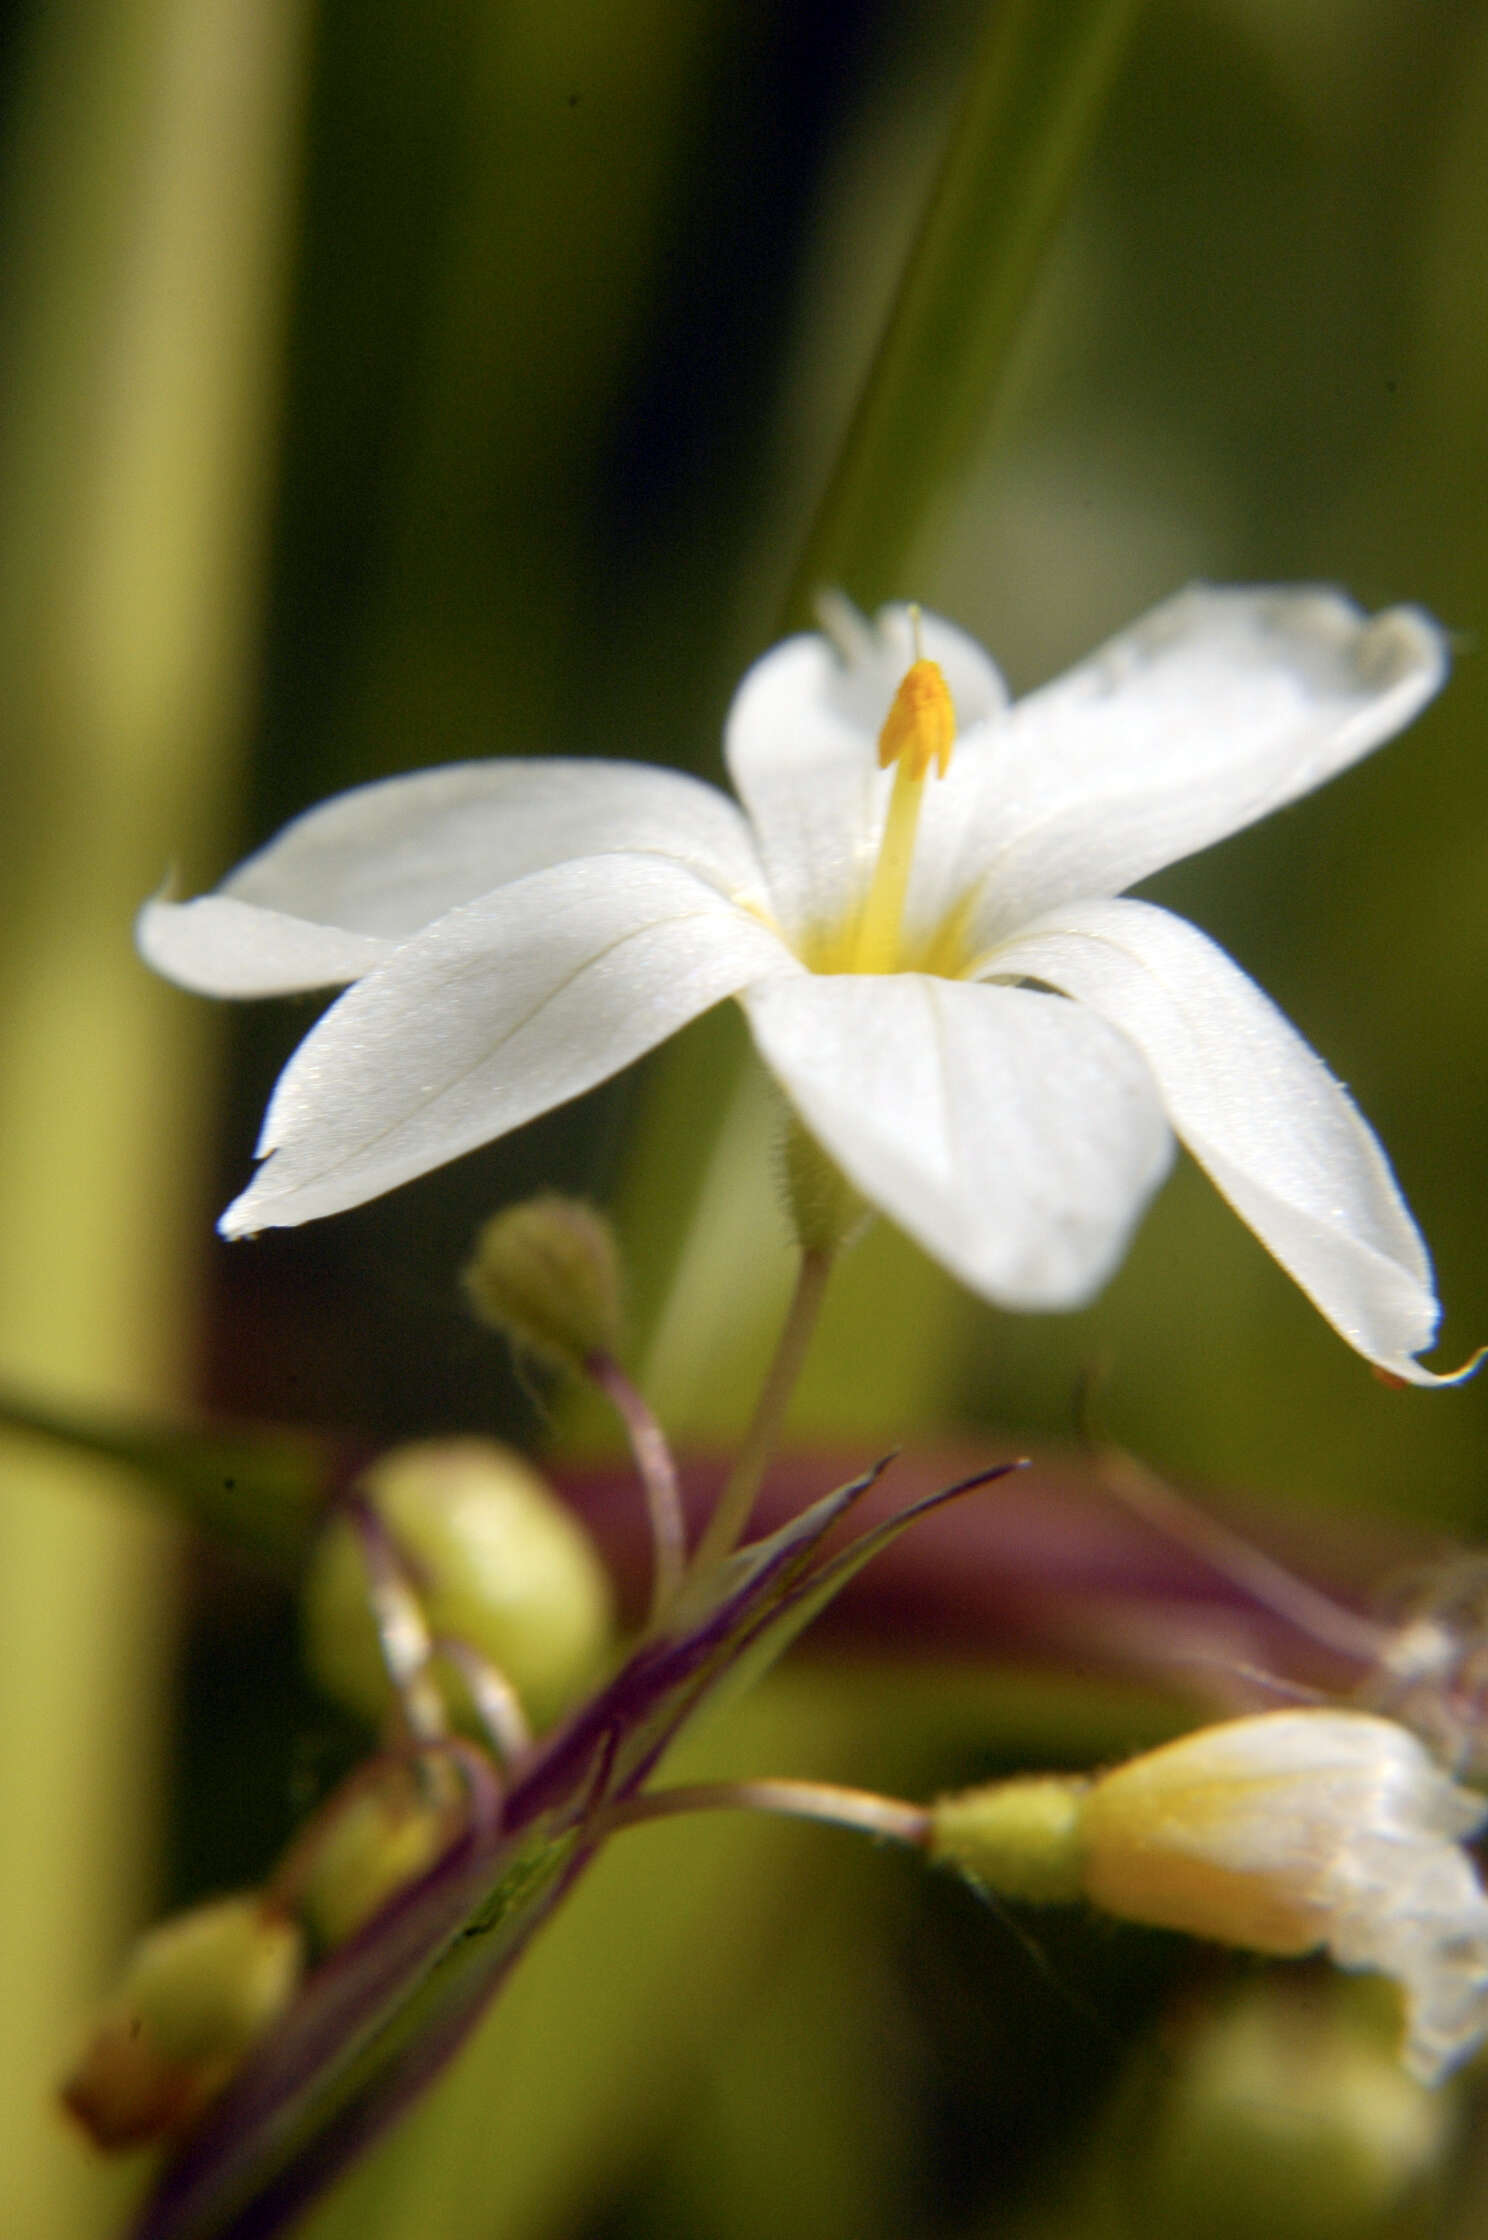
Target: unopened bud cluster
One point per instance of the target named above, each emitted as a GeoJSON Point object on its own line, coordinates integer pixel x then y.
{"type": "Point", "coordinates": [490, 1560]}
{"type": "Point", "coordinates": [199, 1991]}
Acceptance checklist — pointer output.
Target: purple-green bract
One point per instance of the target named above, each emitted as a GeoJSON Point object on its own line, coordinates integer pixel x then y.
{"type": "Point", "coordinates": [381, 2016]}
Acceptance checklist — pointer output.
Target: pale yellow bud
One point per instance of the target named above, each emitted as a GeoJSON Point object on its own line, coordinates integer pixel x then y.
{"type": "Point", "coordinates": [196, 1995]}
{"type": "Point", "coordinates": [1282, 1833]}
{"type": "Point", "coordinates": [1288, 1833]}
{"type": "Point", "coordinates": [498, 1561]}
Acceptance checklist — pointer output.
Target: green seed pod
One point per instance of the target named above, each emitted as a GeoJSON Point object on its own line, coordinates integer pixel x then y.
{"type": "Point", "coordinates": [498, 1562]}
{"type": "Point", "coordinates": [546, 1274]}
{"type": "Point", "coordinates": [383, 1834]}
{"type": "Point", "coordinates": [197, 1993]}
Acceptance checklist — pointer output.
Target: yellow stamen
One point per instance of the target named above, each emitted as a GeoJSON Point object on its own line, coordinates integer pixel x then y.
{"type": "Point", "coordinates": [920, 728]}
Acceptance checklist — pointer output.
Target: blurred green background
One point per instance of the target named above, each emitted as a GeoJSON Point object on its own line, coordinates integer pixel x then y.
{"type": "Point", "coordinates": [381, 385]}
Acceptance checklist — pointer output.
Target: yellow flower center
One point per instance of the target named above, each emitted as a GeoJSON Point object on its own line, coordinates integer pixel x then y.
{"type": "Point", "coordinates": [920, 728]}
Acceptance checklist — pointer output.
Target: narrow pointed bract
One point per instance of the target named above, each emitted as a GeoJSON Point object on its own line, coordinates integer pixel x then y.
{"type": "Point", "coordinates": [992, 1049]}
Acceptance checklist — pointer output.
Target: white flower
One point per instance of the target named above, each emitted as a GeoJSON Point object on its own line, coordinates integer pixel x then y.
{"type": "Point", "coordinates": [1301, 1829]}
{"type": "Point", "coordinates": [905, 946]}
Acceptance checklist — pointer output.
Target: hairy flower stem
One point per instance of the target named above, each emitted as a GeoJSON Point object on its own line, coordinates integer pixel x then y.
{"type": "Point", "coordinates": [658, 1475]}
{"type": "Point", "coordinates": [727, 1524]}
{"type": "Point", "coordinates": [889, 1818]}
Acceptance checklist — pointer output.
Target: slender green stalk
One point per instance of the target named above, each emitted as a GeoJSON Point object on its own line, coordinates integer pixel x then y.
{"type": "Point", "coordinates": [729, 1519]}
{"type": "Point", "coordinates": [824, 1801]}
{"type": "Point", "coordinates": [1034, 97]}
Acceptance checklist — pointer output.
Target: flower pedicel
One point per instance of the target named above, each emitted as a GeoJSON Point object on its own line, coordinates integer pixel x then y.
{"type": "Point", "coordinates": [995, 1052]}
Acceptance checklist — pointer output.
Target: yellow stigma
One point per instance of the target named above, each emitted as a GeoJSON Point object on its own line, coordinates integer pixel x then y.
{"type": "Point", "coordinates": [919, 729]}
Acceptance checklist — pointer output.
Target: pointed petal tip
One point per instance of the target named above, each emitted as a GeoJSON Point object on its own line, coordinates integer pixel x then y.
{"type": "Point", "coordinates": [248, 1215]}
{"type": "Point", "coordinates": [1403, 656]}
{"type": "Point", "coordinates": [217, 945]}
{"type": "Point", "coordinates": [150, 919]}
{"type": "Point", "coordinates": [1405, 1371]}
{"type": "Point", "coordinates": [1404, 642]}
{"type": "Point", "coordinates": [238, 1222]}
{"type": "Point", "coordinates": [1395, 645]}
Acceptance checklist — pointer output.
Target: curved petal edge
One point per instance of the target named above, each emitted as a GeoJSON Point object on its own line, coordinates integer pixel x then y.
{"type": "Point", "coordinates": [1281, 1138]}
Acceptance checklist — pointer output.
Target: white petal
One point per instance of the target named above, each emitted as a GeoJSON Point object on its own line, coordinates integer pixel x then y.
{"type": "Point", "coordinates": [335, 893]}
{"type": "Point", "coordinates": [1293, 1793]}
{"type": "Point", "coordinates": [389, 858]}
{"type": "Point", "coordinates": [1258, 1109]}
{"type": "Point", "coordinates": [1015, 1137]}
{"type": "Point", "coordinates": [497, 1012]}
{"type": "Point", "coordinates": [1446, 1983]}
{"type": "Point", "coordinates": [1215, 709]}
{"type": "Point", "coordinates": [221, 947]}
{"type": "Point", "coordinates": [1401, 1897]}
{"type": "Point", "coordinates": [802, 749]}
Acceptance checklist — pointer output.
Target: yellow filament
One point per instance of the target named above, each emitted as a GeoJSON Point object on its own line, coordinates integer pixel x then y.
{"type": "Point", "coordinates": [920, 728]}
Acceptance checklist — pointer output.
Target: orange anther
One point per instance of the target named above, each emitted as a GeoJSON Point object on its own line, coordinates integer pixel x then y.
{"type": "Point", "coordinates": [920, 727]}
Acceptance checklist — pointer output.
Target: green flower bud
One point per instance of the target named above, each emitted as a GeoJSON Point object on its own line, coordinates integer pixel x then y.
{"type": "Point", "coordinates": [498, 1562]}
{"type": "Point", "coordinates": [546, 1273]}
{"type": "Point", "coordinates": [196, 1995]}
{"type": "Point", "coordinates": [386, 1833]}
{"type": "Point", "coordinates": [825, 1210]}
